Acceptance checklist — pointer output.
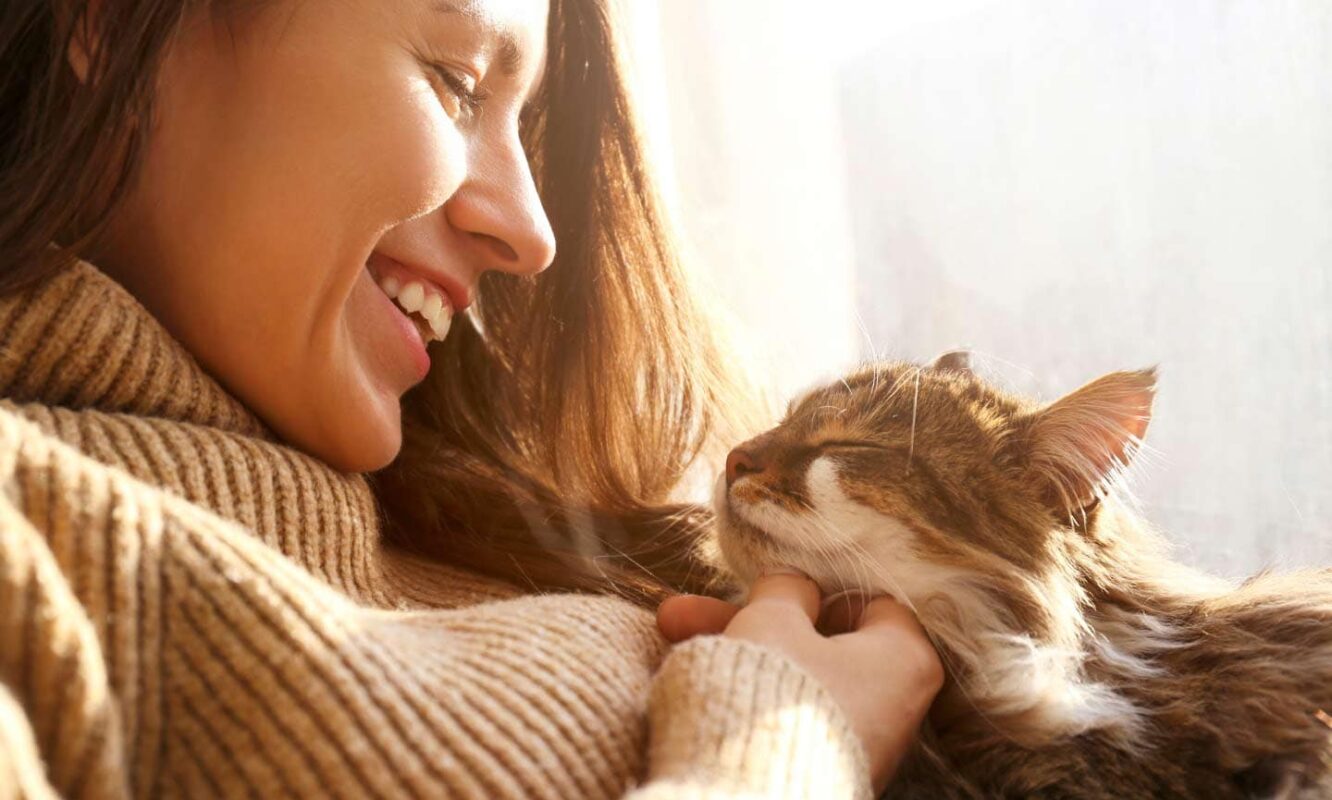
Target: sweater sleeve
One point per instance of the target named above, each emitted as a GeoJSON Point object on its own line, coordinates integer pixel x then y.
{"type": "Point", "coordinates": [59, 732]}
{"type": "Point", "coordinates": [730, 718]}
{"type": "Point", "coordinates": [191, 659]}
{"type": "Point", "coordinates": [21, 771]}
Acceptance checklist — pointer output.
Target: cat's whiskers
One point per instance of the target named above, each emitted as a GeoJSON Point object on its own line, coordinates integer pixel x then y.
{"type": "Point", "coordinates": [915, 404]}
{"type": "Point", "coordinates": [821, 544]}
{"type": "Point", "coordinates": [824, 548]}
{"type": "Point", "coordinates": [1009, 366]}
{"type": "Point", "coordinates": [791, 537]}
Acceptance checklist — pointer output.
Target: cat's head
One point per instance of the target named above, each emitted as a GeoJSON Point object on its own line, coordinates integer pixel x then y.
{"type": "Point", "coordinates": [972, 504]}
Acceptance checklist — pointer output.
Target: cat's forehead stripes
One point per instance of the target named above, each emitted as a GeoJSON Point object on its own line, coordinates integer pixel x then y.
{"type": "Point", "coordinates": [889, 400]}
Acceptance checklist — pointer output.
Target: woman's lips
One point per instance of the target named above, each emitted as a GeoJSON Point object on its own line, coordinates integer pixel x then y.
{"type": "Point", "coordinates": [417, 296]}
{"type": "Point", "coordinates": [407, 329]}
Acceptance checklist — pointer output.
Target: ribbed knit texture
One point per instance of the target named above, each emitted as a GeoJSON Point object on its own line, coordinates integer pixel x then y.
{"type": "Point", "coordinates": [190, 608]}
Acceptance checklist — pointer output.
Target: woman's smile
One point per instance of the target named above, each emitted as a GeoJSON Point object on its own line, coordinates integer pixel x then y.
{"type": "Point", "coordinates": [421, 304]}
{"type": "Point", "coordinates": [408, 330]}
{"type": "Point", "coordinates": [244, 182]}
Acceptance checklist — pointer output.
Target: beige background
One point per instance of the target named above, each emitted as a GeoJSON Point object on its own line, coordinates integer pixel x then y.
{"type": "Point", "coordinates": [1067, 188]}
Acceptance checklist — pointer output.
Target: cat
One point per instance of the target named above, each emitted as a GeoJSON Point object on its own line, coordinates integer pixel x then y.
{"type": "Point", "coordinates": [1082, 662]}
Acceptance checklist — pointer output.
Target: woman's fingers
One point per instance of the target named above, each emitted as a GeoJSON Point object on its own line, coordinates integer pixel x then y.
{"type": "Point", "coordinates": [877, 663]}
{"type": "Point", "coordinates": [873, 657]}
{"type": "Point", "coordinates": [771, 596]}
{"type": "Point", "coordinates": [688, 615]}
{"type": "Point", "coordinates": [916, 656]}
{"type": "Point", "coordinates": [883, 613]}
{"type": "Point", "coordinates": [786, 591]}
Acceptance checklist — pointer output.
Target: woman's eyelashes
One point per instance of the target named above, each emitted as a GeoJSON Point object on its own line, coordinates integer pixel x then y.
{"type": "Point", "coordinates": [460, 95]}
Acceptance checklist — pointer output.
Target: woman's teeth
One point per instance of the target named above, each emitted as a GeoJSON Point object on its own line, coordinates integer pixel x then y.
{"type": "Point", "coordinates": [414, 298]}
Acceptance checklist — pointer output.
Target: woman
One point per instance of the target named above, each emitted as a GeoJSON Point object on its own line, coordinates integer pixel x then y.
{"type": "Point", "coordinates": [235, 235]}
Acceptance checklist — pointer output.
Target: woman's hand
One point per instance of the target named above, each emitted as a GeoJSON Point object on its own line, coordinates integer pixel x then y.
{"type": "Point", "coordinates": [876, 662]}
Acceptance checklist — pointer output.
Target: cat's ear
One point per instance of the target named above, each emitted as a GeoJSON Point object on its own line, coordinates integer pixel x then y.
{"type": "Point", "coordinates": [1079, 443]}
{"type": "Point", "coordinates": [953, 361]}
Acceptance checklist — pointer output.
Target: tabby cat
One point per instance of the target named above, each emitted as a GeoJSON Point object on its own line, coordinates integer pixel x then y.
{"type": "Point", "coordinates": [1082, 661]}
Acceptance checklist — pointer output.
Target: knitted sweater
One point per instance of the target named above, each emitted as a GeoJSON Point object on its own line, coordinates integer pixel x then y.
{"type": "Point", "coordinates": [190, 608]}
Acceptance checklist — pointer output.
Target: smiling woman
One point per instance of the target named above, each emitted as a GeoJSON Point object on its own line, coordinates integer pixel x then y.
{"type": "Point", "coordinates": [307, 432]}
{"type": "Point", "coordinates": [279, 219]}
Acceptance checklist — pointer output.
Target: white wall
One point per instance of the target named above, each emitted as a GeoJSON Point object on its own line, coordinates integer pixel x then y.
{"type": "Point", "coordinates": [1080, 187]}
{"type": "Point", "coordinates": [752, 146]}
{"type": "Point", "coordinates": [1068, 188]}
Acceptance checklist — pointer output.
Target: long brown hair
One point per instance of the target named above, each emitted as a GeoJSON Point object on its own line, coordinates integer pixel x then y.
{"type": "Point", "coordinates": [562, 411]}
{"type": "Point", "coordinates": [544, 447]}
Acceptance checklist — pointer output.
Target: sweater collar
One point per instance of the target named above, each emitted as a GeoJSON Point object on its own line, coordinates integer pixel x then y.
{"type": "Point", "coordinates": [79, 339]}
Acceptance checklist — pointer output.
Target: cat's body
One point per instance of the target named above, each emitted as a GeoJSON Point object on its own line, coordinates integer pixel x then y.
{"type": "Point", "coordinates": [1083, 662]}
{"type": "Point", "coordinates": [1223, 688]}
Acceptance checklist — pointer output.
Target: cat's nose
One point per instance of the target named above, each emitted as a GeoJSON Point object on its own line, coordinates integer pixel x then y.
{"type": "Point", "coordinates": [741, 462]}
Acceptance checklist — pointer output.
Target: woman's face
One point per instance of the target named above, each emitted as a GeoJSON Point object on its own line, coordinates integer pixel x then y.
{"type": "Point", "coordinates": [307, 160]}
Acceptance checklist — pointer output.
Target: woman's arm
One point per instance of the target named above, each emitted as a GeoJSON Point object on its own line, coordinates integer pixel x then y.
{"type": "Point", "coordinates": [209, 663]}
{"type": "Point", "coordinates": [21, 770]}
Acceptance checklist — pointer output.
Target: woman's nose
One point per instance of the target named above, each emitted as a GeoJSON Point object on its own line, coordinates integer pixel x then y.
{"type": "Point", "coordinates": [500, 212]}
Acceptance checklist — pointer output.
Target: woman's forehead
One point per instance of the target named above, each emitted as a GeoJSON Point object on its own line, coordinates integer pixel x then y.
{"type": "Point", "coordinates": [518, 25]}
{"type": "Point", "coordinates": [517, 29]}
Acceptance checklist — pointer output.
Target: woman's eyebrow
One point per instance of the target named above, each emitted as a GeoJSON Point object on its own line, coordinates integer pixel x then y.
{"type": "Point", "coordinates": [508, 56]}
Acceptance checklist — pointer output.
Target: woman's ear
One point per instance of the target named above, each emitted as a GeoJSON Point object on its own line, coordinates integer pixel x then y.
{"type": "Point", "coordinates": [1076, 445]}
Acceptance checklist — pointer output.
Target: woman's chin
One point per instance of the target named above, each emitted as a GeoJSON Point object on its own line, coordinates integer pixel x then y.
{"type": "Point", "coordinates": [360, 437]}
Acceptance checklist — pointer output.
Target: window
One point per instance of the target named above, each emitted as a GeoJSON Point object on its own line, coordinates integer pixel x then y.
{"type": "Point", "coordinates": [1067, 189]}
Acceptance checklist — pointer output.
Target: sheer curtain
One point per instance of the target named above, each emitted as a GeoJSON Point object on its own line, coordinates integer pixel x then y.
{"type": "Point", "coordinates": [1066, 189]}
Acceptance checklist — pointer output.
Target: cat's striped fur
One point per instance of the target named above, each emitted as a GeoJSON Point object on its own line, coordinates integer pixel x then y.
{"type": "Point", "coordinates": [1083, 661]}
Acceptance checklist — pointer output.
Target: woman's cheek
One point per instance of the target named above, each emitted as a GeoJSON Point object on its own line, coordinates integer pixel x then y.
{"type": "Point", "coordinates": [421, 159]}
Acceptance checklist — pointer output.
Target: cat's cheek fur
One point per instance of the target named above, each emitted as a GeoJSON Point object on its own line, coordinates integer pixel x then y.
{"type": "Point", "coordinates": [1006, 670]}
{"type": "Point", "coordinates": [887, 552]}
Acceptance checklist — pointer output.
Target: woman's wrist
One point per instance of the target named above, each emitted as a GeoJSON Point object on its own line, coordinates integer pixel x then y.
{"type": "Point", "coordinates": [735, 716]}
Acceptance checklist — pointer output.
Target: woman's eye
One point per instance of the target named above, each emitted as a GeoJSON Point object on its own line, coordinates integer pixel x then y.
{"type": "Point", "coordinates": [459, 95]}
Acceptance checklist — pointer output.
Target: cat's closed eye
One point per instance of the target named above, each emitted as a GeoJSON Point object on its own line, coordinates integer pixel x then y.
{"type": "Point", "coordinates": [841, 444]}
